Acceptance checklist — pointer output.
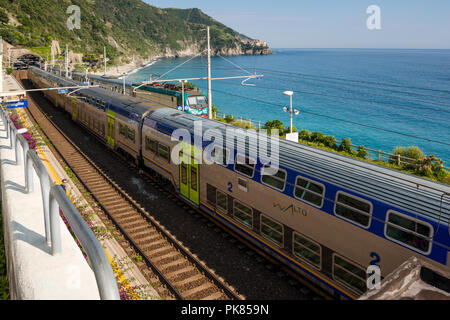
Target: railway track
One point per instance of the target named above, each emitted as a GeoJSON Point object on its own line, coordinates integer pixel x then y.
{"type": "Point", "coordinates": [179, 271]}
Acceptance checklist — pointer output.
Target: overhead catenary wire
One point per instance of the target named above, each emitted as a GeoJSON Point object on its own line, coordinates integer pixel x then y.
{"type": "Point", "coordinates": [354, 80]}
{"type": "Point", "coordinates": [365, 93]}
{"type": "Point", "coordinates": [350, 98]}
{"type": "Point", "coordinates": [339, 119]}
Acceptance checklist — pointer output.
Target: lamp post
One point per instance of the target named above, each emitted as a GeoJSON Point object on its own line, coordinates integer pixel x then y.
{"type": "Point", "coordinates": [182, 92]}
{"type": "Point", "coordinates": [124, 76]}
{"type": "Point", "coordinates": [291, 112]}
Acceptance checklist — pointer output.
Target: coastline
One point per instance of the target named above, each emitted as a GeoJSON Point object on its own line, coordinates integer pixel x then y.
{"type": "Point", "coordinates": [128, 68]}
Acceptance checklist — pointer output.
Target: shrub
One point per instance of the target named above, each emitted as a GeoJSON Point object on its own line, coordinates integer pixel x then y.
{"type": "Point", "coordinates": [362, 152]}
{"type": "Point", "coordinates": [414, 152]}
{"type": "Point", "coordinates": [318, 137]}
{"type": "Point", "coordinates": [229, 118]}
{"type": "Point", "coordinates": [330, 142]}
{"type": "Point", "coordinates": [431, 167]}
{"type": "Point", "coordinates": [288, 130]}
{"type": "Point", "coordinates": [346, 146]}
{"type": "Point", "coordinates": [304, 135]}
{"type": "Point", "coordinates": [275, 124]}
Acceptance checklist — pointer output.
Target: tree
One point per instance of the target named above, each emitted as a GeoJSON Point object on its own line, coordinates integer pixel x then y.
{"type": "Point", "coordinates": [362, 153]}
{"type": "Point", "coordinates": [229, 118]}
{"type": "Point", "coordinates": [304, 135]}
{"type": "Point", "coordinates": [318, 137]}
{"type": "Point", "coordinates": [275, 124]}
{"type": "Point", "coordinates": [346, 146]}
{"type": "Point", "coordinates": [330, 142]}
{"type": "Point", "coordinates": [3, 16]}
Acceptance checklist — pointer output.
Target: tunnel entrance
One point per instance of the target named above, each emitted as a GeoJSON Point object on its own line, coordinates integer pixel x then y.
{"type": "Point", "coordinates": [27, 60]}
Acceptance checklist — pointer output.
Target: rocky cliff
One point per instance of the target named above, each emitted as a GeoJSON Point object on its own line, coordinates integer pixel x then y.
{"type": "Point", "coordinates": [129, 29]}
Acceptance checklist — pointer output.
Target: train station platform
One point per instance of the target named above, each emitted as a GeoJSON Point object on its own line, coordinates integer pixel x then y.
{"type": "Point", "coordinates": [10, 89]}
{"type": "Point", "coordinates": [34, 272]}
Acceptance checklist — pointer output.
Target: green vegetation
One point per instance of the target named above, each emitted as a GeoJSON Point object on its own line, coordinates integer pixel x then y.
{"type": "Point", "coordinates": [126, 28]}
{"type": "Point", "coordinates": [407, 159]}
{"type": "Point", "coordinates": [4, 284]}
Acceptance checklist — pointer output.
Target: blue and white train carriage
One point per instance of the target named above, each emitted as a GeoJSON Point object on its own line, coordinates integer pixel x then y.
{"type": "Point", "coordinates": [323, 214]}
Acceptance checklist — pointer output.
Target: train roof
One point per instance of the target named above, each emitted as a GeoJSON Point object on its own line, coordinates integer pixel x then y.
{"type": "Point", "coordinates": [374, 181]}
{"type": "Point", "coordinates": [361, 177]}
{"type": "Point", "coordinates": [128, 103]}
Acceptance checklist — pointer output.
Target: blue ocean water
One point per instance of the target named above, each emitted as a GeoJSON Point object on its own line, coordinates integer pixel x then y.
{"type": "Point", "coordinates": [380, 98]}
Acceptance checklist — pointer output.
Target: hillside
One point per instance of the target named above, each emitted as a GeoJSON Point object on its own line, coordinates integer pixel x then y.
{"type": "Point", "coordinates": [128, 28]}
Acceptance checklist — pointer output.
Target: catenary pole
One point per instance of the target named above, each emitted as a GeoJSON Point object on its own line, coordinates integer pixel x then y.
{"type": "Point", "coordinates": [209, 76]}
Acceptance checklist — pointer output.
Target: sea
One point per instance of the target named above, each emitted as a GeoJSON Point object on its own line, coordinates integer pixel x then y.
{"type": "Point", "coordinates": [379, 98]}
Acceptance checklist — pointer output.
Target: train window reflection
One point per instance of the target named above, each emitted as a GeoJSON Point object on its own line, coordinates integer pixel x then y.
{"type": "Point", "coordinates": [122, 130]}
{"type": "Point", "coordinates": [408, 231]}
{"type": "Point", "coordinates": [349, 274]}
{"type": "Point", "coordinates": [245, 165]}
{"type": "Point", "coordinates": [220, 156]}
{"type": "Point", "coordinates": [243, 214]}
{"type": "Point", "coordinates": [150, 144]}
{"type": "Point", "coordinates": [307, 250]}
{"type": "Point", "coordinates": [222, 201]}
{"type": "Point", "coordinates": [309, 191]}
{"type": "Point", "coordinates": [354, 209]}
{"type": "Point", "coordinates": [278, 180]}
{"type": "Point", "coordinates": [272, 230]}
{"type": "Point", "coordinates": [164, 152]}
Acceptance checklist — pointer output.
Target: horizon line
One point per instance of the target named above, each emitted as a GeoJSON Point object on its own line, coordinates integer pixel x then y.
{"type": "Point", "coordinates": [358, 48]}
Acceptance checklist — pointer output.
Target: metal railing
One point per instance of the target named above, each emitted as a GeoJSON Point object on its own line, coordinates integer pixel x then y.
{"type": "Point", "coordinates": [373, 154]}
{"type": "Point", "coordinates": [54, 199]}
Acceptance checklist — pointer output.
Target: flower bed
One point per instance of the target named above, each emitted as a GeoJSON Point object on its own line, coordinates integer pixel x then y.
{"type": "Point", "coordinates": [32, 143]}
{"type": "Point", "coordinates": [126, 291]}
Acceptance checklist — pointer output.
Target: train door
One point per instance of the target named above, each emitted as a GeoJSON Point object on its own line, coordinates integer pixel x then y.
{"type": "Point", "coordinates": [189, 177]}
{"type": "Point", "coordinates": [111, 128]}
{"type": "Point", "coordinates": [74, 109]}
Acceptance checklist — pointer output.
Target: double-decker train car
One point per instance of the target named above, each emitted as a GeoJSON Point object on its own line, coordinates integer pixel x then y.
{"type": "Point", "coordinates": [327, 216]}
{"type": "Point", "coordinates": [168, 95]}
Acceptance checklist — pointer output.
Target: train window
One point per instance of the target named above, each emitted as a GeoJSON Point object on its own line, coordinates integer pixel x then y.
{"type": "Point", "coordinates": [408, 231]}
{"type": "Point", "coordinates": [184, 173]}
{"type": "Point", "coordinates": [354, 209]}
{"type": "Point", "coordinates": [309, 191]}
{"type": "Point", "coordinates": [222, 201]}
{"type": "Point", "coordinates": [245, 165]}
{"type": "Point", "coordinates": [150, 144]}
{"type": "Point", "coordinates": [349, 274]}
{"type": "Point", "coordinates": [243, 214]}
{"type": "Point", "coordinates": [164, 152]}
{"type": "Point", "coordinates": [278, 180]}
{"type": "Point", "coordinates": [307, 250]}
{"type": "Point", "coordinates": [272, 230]}
{"type": "Point", "coordinates": [131, 134]}
{"type": "Point", "coordinates": [220, 155]}
{"type": "Point", "coordinates": [122, 130]}
{"type": "Point", "coordinates": [193, 178]}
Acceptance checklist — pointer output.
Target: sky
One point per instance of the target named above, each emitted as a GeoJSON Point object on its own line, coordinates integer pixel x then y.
{"type": "Point", "coordinates": [331, 23]}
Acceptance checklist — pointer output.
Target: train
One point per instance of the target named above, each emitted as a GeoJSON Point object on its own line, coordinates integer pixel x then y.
{"type": "Point", "coordinates": [324, 215]}
{"type": "Point", "coordinates": [188, 99]}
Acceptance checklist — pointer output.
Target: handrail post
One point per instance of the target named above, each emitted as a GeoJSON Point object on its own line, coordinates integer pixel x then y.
{"type": "Point", "coordinates": [101, 266]}
{"type": "Point", "coordinates": [55, 231]}
{"type": "Point", "coordinates": [12, 136]}
{"type": "Point", "coordinates": [33, 160]}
